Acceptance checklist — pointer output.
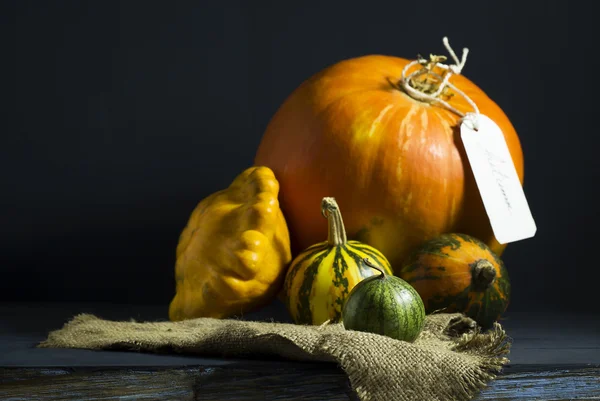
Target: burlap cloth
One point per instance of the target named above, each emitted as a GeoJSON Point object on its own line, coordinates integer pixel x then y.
{"type": "Point", "coordinates": [451, 360]}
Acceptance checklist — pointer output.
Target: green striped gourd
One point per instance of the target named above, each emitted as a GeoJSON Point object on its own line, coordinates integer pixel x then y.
{"type": "Point", "coordinates": [320, 278]}
{"type": "Point", "coordinates": [386, 305]}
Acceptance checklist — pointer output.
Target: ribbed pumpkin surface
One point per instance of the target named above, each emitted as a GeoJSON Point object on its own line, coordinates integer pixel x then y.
{"type": "Point", "coordinates": [395, 164]}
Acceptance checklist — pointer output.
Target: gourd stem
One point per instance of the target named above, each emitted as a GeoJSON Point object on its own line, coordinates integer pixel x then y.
{"type": "Point", "coordinates": [484, 274]}
{"type": "Point", "coordinates": [379, 269]}
{"type": "Point", "coordinates": [337, 232]}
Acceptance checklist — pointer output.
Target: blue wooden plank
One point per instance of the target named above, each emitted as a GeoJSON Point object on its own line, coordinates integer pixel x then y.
{"type": "Point", "coordinates": [548, 384]}
{"type": "Point", "coordinates": [266, 381]}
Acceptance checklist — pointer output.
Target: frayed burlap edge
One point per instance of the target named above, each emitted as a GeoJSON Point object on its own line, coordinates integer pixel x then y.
{"type": "Point", "coordinates": [491, 347]}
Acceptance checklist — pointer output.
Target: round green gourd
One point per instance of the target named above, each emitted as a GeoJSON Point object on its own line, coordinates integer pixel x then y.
{"type": "Point", "coordinates": [386, 305]}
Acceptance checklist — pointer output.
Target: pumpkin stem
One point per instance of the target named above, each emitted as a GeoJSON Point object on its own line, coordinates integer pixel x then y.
{"type": "Point", "coordinates": [484, 274]}
{"type": "Point", "coordinates": [337, 232]}
{"type": "Point", "coordinates": [429, 84]}
{"type": "Point", "coordinates": [379, 269]}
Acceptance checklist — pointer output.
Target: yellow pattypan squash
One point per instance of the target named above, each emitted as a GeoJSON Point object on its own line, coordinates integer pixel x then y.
{"type": "Point", "coordinates": [232, 255]}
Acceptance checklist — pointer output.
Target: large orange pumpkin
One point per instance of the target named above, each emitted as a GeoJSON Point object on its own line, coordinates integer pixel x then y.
{"type": "Point", "coordinates": [396, 165]}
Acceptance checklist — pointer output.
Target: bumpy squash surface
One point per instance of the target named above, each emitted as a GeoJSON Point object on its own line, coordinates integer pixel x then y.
{"type": "Point", "coordinates": [232, 255]}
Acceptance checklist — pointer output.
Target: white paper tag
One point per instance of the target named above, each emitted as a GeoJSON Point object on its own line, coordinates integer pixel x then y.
{"type": "Point", "coordinates": [497, 180]}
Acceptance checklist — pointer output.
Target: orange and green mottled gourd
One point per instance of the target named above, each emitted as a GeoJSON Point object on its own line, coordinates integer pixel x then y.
{"type": "Point", "coordinates": [233, 254]}
{"type": "Point", "coordinates": [321, 277]}
{"type": "Point", "coordinates": [459, 273]}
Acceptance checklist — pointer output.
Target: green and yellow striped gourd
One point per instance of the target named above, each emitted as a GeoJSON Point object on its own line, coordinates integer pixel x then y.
{"type": "Point", "coordinates": [320, 278]}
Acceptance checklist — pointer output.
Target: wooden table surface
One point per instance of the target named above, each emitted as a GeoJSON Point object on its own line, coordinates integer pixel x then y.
{"type": "Point", "coordinates": [554, 357]}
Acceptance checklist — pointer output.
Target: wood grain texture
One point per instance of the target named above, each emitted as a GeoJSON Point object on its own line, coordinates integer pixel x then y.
{"type": "Point", "coordinates": [272, 381]}
{"type": "Point", "coordinates": [547, 385]}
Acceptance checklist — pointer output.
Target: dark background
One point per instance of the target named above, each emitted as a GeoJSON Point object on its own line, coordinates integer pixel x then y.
{"type": "Point", "coordinates": [120, 116]}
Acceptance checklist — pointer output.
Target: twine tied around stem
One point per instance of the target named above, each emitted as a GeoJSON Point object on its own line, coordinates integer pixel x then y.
{"type": "Point", "coordinates": [420, 91]}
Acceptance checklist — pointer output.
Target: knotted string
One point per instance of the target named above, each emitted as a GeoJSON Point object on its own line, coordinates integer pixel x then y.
{"type": "Point", "coordinates": [452, 69]}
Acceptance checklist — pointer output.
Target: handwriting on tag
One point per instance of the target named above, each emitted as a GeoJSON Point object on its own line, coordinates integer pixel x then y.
{"type": "Point", "coordinates": [497, 180]}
